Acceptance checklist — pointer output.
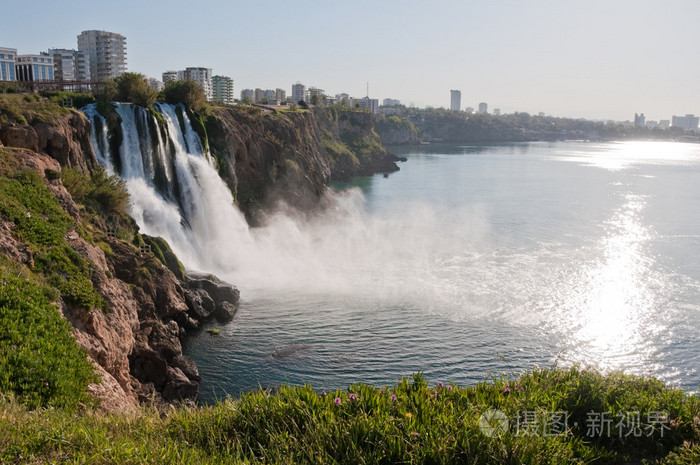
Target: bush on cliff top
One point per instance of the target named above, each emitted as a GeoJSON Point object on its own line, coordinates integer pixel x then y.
{"type": "Point", "coordinates": [187, 92]}
{"type": "Point", "coordinates": [413, 422]}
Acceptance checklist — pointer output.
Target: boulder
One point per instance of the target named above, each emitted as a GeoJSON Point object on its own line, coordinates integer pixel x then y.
{"type": "Point", "coordinates": [188, 367]}
{"type": "Point", "coordinates": [225, 311]}
{"type": "Point", "coordinates": [24, 137]}
{"type": "Point", "coordinates": [217, 289]}
{"type": "Point", "coordinates": [178, 386]}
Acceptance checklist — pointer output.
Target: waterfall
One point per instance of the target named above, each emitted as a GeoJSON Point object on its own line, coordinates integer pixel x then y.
{"type": "Point", "coordinates": [99, 136]}
{"type": "Point", "coordinates": [175, 192]}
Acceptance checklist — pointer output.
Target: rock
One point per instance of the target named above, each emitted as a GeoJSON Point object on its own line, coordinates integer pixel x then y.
{"type": "Point", "coordinates": [199, 303]}
{"type": "Point", "coordinates": [217, 289]}
{"type": "Point", "coordinates": [188, 367]}
{"type": "Point", "coordinates": [24, 137]}
{"type": "Point", "coordinates": [178, 386]}
{"type": "Point", "coordinates": [225, 311]}
{"type": "Point", "coordinates": [67, 139]}
{"type": "Point", "coordinates": [148, 366]}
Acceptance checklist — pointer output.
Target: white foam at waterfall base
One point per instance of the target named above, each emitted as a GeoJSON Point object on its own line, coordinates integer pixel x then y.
{"type": "Point", "coordinates": [346, 250]}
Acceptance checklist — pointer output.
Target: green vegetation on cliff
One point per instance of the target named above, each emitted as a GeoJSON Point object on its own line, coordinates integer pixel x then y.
{"type": "Point", "coordinates": [40, 222]}
{"type": "Point", "coordinates": [40, 361]}
{"type": "Point", "coordinates": [451, 126]}
{"type": "Point", "coordinates": [29, 109]}
{"type": "Point", "coordinates": [412, 422]}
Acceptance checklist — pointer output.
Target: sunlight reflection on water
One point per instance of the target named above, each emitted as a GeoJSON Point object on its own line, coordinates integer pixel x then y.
{"type": "Point", "coordinates": [623, 155]}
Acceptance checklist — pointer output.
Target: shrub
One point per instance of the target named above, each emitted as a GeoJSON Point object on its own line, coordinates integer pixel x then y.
{"type": "Point", "coordinates": [103, 193]}
{"type": "Point", "coordinates": [134, 87]}
{"type": "Point", "coordinates": [187, 92]}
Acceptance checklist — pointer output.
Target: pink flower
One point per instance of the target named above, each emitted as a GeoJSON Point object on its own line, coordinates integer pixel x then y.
{"type": "Point", "coordinates": [352, 397]}
{"type": "Point", "coordinates": [440, 384]}
{"type": "Point", "coordinates": [393, 397]}
{"type": "Point", "coordinates": [337, 401]}
{"type": "Point", "coordinates": [449, 388]}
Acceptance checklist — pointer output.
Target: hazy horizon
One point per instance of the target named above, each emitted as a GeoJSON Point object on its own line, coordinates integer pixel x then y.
{"type": "Point", "coordinates": [596, 61]}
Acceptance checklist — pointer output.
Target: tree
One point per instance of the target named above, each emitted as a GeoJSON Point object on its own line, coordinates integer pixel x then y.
{"type": "Point", "coordinates": [134, 87]}
{"type": "Point", "coordinates": [187, 92]}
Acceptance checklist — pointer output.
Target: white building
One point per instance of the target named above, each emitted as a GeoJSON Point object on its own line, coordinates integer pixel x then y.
{"type": "Point", "coordinates": [222, 90]}
{"type": "Point", "coordinates": [156, 84]}
{"type": "Point", "coordinates": [390, 102]}
{"type": "Point", "coordinates": [106, 52]}
{"type": "Point", "coordinates": [371, 104]}
{"type": "Point", "coordinates": [687, 122]}
{"type": "Point", "coordinates": [248, 94]}
{"type": "Point", "coordinates": [170, 76]}
{"type": "Point", "coordinates": [201, 76]}
{"type": "Point", "coordinates": [298, 92]}
{"type": "Point", "coordinates": [70, 65]}
{"type": "Point", "coordinates": [7, 64]}
{"type": "Point", "coordinates": [32, 68]}
{"type": "Point", "coordinates": [280, 95]}
{"type": "Point", "coordinates": [455, 100]}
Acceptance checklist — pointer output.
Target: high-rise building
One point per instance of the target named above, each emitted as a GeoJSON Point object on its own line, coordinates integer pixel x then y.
{"type": "Point", "coordinates": [106, 52]}
{"type": "Point", "coordinates": [170, 76]}
{"type": "Point", "coordinates": [280, 95]}
{"type": "Point", "coordinates": [455, 100]}
{"type": "Point", "coordinates": [7, 64]}
{"type": "Point", "coordinates": [298, 92]}
{"type": "Point", "coordinates": [70, 65]}
{"type": "Point", "coordinates": [483, 108]}
{"type": "Point", "coordinates": [639, 120]}
{"type": "Point", "coordinates": [156, 84]}
{"type": "Point", "coordinates": [33, 68]}
{"type": "Point", "coordinates": [259, 94]}
{"type": "Point", "coordinates": [222, 89]}
{"type": "Point", "coordinates": [371, 104]}
{"type": "Point", "coordinates": [248, 94]}
{"type": "Point", "coordinates": [201, 76]}
{"type": "Point", "coordinates": [688, 122]}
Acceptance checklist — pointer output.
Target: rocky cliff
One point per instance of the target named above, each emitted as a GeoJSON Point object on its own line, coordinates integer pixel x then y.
{"type": "Point", "coordinates": [40, 126]}
{"type": "Point", "coordinates": [292, 155]}
{"type": "Point", "coordinates": [126, 295]}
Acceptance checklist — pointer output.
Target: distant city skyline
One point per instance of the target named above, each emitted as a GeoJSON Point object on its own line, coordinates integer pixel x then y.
{"type": "Point", "coordinates": [595, 60]}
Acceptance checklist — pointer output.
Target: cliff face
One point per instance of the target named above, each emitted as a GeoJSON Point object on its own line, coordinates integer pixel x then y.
{"type": "Point", "coordinates": [39, 126]}
{"type": "Point", "coordinates": [265, 157]}
{"type": "Point", "coordinates": [397, 131]}
{"type": "Point", "coordinates": [268, 157]}
{"type": "Point", "coordinates": [136, 303]}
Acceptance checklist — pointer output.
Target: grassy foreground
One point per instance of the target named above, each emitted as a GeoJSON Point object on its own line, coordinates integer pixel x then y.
{"type": "Point", "coordinates": [552, 418]}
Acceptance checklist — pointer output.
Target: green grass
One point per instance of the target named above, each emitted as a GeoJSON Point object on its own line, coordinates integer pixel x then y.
{"type": "Point", "coordinates": [29, 109]}
{"type": "Point", "coordinates": [40, 361]}
{"type": "Point", "coordinates": [412, 422]}
{"type": "Point", "coordinates": [40, 222]}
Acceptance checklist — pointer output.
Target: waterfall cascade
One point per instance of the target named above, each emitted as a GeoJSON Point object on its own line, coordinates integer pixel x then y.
{"type": "Point", "coordinates": [176, 193]}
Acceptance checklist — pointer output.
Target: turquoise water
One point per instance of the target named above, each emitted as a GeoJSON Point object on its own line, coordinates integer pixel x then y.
{"type": "Point", "coordinates": [476, 261]}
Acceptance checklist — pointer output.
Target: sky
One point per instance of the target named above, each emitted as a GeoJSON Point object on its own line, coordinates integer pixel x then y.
{"type": "Point", "coordinates": [594, 59]}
